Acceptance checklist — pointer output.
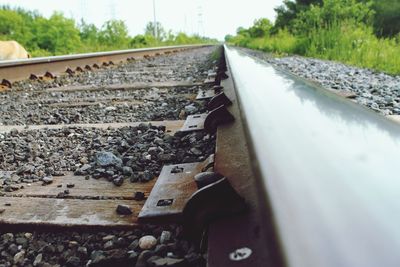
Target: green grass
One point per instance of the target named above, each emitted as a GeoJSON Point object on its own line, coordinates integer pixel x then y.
{"type": "Point", "coordinates": [348, 43]}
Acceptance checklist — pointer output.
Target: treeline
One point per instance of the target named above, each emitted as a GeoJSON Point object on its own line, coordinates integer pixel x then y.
{"type": "Point", "coordinates": [359, 32]}
{"type": "Point", "coordinates": [59, 35]}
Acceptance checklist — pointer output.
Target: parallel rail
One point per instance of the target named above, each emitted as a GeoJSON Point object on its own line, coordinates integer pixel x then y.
{"type": "Point", "coordinates": [14, 70]}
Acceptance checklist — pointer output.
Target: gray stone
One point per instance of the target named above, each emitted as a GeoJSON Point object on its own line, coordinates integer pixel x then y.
{"type": "Point", "coordinates": [124, 210]}
{"type": "Point", "coordinates": [171, 262]}
{"type": "Point", "coordinates": [38, 259]}
{"type": "Point", "coordinates": [165, 237]}
{"type": "Point", "coordinates": [47, 180]}
{"type": "Point", "coordinates": [97, 256]}
{"type": "Point", "coordinates": [118, 181]}
{"type": "Point", "coordinates": [73, 262]}
{"type": "Point", "coordinates": [126, 170]}
{"type": "Point", "coordinates": [108, 245]}
{"type": "Point", "coordinates": [19, 257]}
{"type": "Point", "coordinates": [105, 159]}
{"type": "Point", "coordinates": [21, 241]}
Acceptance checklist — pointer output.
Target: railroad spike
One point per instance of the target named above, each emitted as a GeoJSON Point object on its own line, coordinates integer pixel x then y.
{"type": "Point", "coordinates": [70, 72]}
{"type": "Point", "coordinates": [49, 75]}
{"type": "Point", "coordinates": [217, 117]}
{"type": "Point", "coordinates": [217, 89]}
{"type": "Point", "coordinates": [205, 178]}
{"type": "Point", "coordinates": [206, 205]}
{"type": "Point", "coordinates": [6, 83]}
{"type": "Point", "coordinates": [219, 100]}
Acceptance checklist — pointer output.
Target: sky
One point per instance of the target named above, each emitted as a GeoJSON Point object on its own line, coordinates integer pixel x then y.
{"type": "Point", "coordinates": [211, 18]}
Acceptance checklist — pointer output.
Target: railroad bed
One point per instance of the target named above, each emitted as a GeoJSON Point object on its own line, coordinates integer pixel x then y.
{"type": "Point", "coordinates": [81, 154]}
{"type": "Point", "coordinates": [191, 156]}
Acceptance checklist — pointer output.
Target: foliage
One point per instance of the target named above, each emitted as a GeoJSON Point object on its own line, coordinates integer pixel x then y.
{"type": "Point", "coordinates": [341, 30]}
{"type": "Point", "coordinates": [387, 19]}
{"type": "Point", "coordinates": [260, 28]}
{"type": "Point", "coordinates": [331, 13]}
{"type": "Point", "coordinates": [114, 32]}
{"type": "Point", "coordinates": [150, 30]}
{"type": "Point", "coordinates": [288, 12]}
{"type": "Point", "coordinates": [57, 35]}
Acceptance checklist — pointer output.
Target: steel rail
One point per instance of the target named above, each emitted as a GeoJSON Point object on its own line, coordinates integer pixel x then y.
{"type": "Point", "coordinates": [327, 167]}
{"type": "Point", "coordinates": [14, 70]}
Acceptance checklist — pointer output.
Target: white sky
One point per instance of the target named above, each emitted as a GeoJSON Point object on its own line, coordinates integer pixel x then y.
{"type": "Point", "coordinates": [219, 17]}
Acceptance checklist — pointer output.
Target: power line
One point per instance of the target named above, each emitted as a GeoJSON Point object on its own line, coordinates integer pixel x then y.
{"type": "Point", "coordinates": [113, 12]}
{"type": "Point", "coordinates": [200, 30]}
{"type": "Point", "coordinates": [84, 9]}
{"type": "Point", "coordinates": [155, 20]}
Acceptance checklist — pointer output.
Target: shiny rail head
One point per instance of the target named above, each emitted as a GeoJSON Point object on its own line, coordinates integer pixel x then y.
{"type": "Point", "coordinates": [328, 166]}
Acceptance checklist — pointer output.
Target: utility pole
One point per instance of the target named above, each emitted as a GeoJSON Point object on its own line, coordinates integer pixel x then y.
{"type": "Point", "coordinates": [155, 20]}
{"type": "Point", "coordinates": [84, 10]}
{"type": "Point", "coordinates": [113, 12]}
{"type": "Point", "coordinates": [200, 30]}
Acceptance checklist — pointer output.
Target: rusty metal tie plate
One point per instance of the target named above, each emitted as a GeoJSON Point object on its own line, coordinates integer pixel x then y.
{"type": "Point", "coordinates": [205, 94]}
{"type": "Point", "coordinates": [194, 123]}
{"type": "Point", "coordinates": [171, 192]}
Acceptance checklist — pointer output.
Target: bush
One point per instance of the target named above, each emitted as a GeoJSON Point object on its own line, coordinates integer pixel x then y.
{"type": "Point", "coordinates": [339, 30]}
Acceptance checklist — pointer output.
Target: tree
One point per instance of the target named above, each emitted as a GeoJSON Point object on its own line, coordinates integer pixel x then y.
{"type": "Point", "coordinates": [89, 33]}
{"type": "Point", "coordinates": [387, 18]}
{"type": "Point", "coordinates": [56, 34]}
{"type": "Point", "coordinates": [260, 28]}
{"type": "Point", "coordinates": [333, 12]}
{"type": "Point", "coordinates": [289, 10]}
{"type": "Point", "coordinates": [149, 30]}
{"type": "Point", "coordinates": [114, 33]}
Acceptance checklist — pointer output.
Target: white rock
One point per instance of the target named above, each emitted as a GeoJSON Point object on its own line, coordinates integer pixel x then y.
{"type": "Point", "coordinates": [38, 259]}
{"type": "Point", "coordinates": [19, 257]}
{"type": "Point", "coordinates": [147, 242]}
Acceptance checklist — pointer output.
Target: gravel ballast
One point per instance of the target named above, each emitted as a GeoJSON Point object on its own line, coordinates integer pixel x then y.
{"type": "Point", "coordinates": [119, 155]}
{"type": "Point", "coordinates": [134, 154]}
{"type": "Point", "coordinates": [148, 245]}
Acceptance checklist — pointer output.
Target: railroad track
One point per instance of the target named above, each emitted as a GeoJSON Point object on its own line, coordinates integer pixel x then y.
{"type": "Point", "coordinates": [190, 156]}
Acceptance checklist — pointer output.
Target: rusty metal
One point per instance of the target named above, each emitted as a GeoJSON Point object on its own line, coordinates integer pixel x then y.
{"type": "Point", "coordinates": [210, 78]}
{"type": "Point", "coordinates": [49, 75]}
{"type": "Point", "coordinates": [218, 100]}
{"type": "Point", "coordinates": [70, 72]}
{"type": "Point", "coordinates": [174, 187]}
{"type": "Point", "coordinates": [209, 203]}
{"type": "Point", "coordinates": [6, 83]}
{"type": "Point", "coordinates": [217, 117]}
{"type": "Point", "coordinates": [204, 94]}
{"type": "Point", "coordinates": [217, 89]}
{"type": "Point", "coordinates": [205, 178]}
{"type": "Point", "coordinates": [22, 69]}
{"type": "Point", "coordinates": [194, 123]}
